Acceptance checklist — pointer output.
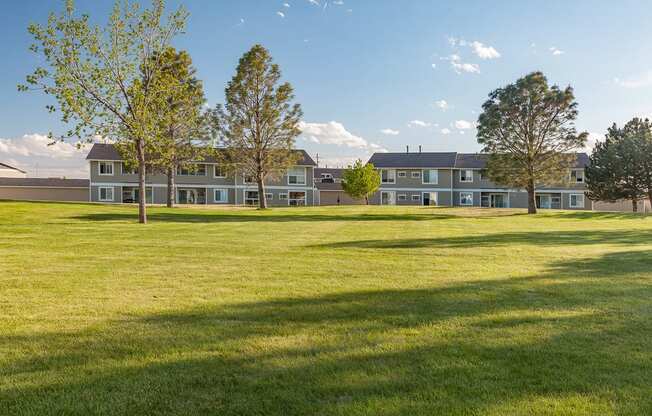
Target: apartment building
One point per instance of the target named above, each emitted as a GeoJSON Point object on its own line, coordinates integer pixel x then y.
{"type": "Point", "coordinates": [459, 179]}
{"type": "Point", "coordinates": [202, 183]}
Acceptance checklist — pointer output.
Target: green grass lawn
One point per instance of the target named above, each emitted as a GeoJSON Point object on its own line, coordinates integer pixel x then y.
{"type": "Point", "coordinates": [323, 311]}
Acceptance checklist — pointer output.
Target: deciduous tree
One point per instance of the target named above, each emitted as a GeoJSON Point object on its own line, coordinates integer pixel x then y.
{"type": "Point", "coordinates": [104, 79]}
{"type": "Point", "coordinates": [258, 125]}
{"type": "Point", "coordinates": [360, 181]}
{"type": "Point", "coordinates": [528, 127]}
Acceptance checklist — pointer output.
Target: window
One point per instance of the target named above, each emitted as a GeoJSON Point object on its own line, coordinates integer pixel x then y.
{"type": "Point", "coordinates": [466, 175]}
{"type": "Point", "coordinates": [218, 172]}
{"type": "Point", "coordinates": [482, 174]}
{"type": "Point", "coordinates": [130, 195]}
{"type": "Point", "coordinates": [297, 176]}
{"type": "Point", "coordinates": [197, 169]}
{"type": "Point", "coordinates": [416, 197]}
{"type": "Point", "coordinates": [269, 196]}
{"type": "Point", "coordinates": [576, 200]}
{"type": "Point", "coordinates": [466, 198]}
{"type": "Point", "coordinates": [248, 179]}
{"type": "Point", "coordinates": [402, 197]}
{"type": "Point", "coordinates": [387, 176]}
{"type": "Point", "coordinates": [105, 169]}
{"type": "Point", "coordinates": [221, 196]}
{"type": "Point", "coordinates": [297, 199]}
{"type": "Point", "coordinates": [251, 198]}
{"type": "Point", "coordinates": [577, 176]}
{"type": "Point", "coordinates": [402, 174]}
{"type": "Point", "coordinates": [105, 193]}
{"type": "Point", "coordinates": [283, 197]}
{"type": "Point", "coordinates": [430, 176]}
{"type": "Point", "coordinates": [416, 174]}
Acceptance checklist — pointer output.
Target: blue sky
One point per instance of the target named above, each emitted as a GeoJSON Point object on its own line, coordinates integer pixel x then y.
{"type": "Point", "coordinates": [373, 75]}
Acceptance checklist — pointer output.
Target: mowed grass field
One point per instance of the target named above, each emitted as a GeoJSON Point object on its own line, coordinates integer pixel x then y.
{"type": "Point", "coordinates": [323, 311]}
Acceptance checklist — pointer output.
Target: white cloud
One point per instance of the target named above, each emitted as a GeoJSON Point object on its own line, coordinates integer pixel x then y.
{"type": "Point", "coordinates": [32, 153]}
{"type": "Point", "coordinates": [445, 131]}
{"type": "Point", "coordinates": [334, 133]}
{"type": "Point", "coordinates": [640, 81]}
{"type": "Point", "coordinates": [442, 104]}
{"type": "Point", "coordinates": [315, 2]}
{"type": "Point", "coordinates": [592, 140]}
{"type": "Point", "coordinates": [433, 66]}
{"type": "Point", "coordinates": [459, 66]}
{"type": "Point", "coordinates": [555, 51]}
{"type": "Point", "coordinates": [338, 2]}
{"type": "Point", "coordinates": [418, 123]}
{"type": "Point", "coordinates": [484, 52]}
{"type": "Point", "coordinates": [390, 132]}
{"type": "Point", "coordinates": [463, 124]}
{"type": "Point", "coordinates": [286, 5]}
{"type": "Point", "coordinates": [341, 162]}
{"type": "Point", "coordinates": [281, 14]}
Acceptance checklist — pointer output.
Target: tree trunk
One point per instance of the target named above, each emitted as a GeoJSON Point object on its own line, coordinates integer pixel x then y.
{"type": "Point", "coordinates": [171, 190]}
{"type": "Point", "coordinates": [366, 199]}
{"type": "Point", "coordinates": [649, 197]}
{"type": "Point", "coordinates": [142, 208]}
{"type": "Point", "coordinates": [531, 200]}
{"type": "Point", "coordinates": [634, 205]}
{"type": "Point", "coordinates": [262, 201]}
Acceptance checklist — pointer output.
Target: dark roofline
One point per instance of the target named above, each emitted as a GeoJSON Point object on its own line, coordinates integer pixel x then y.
{"type": "Point", "coordinates": [107, 151]}
{"type": "Point", "coordinates": [44, 183]}
{"type": "Point", "coordinates": [12, 167]}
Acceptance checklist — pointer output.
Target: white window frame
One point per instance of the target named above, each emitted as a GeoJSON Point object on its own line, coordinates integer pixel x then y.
{"type": "Point", "coordinates": [244, 197]}
{"type": "Point", "coordinates": [401, 174]}
{"type": "Point", "coordinates": [416, 197]}
{"type": "Point", "coordinates": [99, 194]}
{"type": "Point", "coordinates": [305, 174]}
{"type": "Point", "coordinates": [467, 193]}
{"type": "Point", "coordinates": [416, 174]}
{"type": "Point", "coordinates": [576, 181]}
{"type": "Point", "coordinates": [393, 173]}
{"type": "Point", "coordinates": [391, 197]}
{"type": "Point", "coordinates": [215, 167]}
{"type": "Point", "coordinates": [269, 196]}
{"type": "Point", "coordinates": [283, 196]}
{"type": "Point", "coordinates": [436, 182]}
{"type": "Point", "coordinates": [469, 179]}
{"type": "Point", "coordinates": [192, 172]}
{"type": "Point", "coordinates": [578, 198]}
{"type": "Point", "coordinates": [223, 191]}
{"type": "Point", "coordinates": [401, 197]}
{"type": "Point", "coordinates": [99, 168]}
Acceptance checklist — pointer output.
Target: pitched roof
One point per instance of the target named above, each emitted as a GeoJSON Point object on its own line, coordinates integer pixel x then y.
{"type": "Point", "coordinates": [102, 151]}
{"type": "Point", "coordinates": [4, 165]}
{"type": "Point", "coordinates": [336, 172]}
{"type": "Point", "coordinates": [45, 182]}
{"type": "Point", "coordinates": [416, 160]}
{"type": "Point", "coordinates": [451, 160]}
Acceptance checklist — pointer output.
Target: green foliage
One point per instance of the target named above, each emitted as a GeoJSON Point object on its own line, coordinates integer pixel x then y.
{"type": "Point", "coordinates": [360, 181]}
{"type": "Point", "coordinates": [258, 125]}
{"type": "Point", "coordinates": [529, 129]}
{"type": "Point", "coordinates": [621, 165]}
{"type": "Point", "coordinates": [105, 80]}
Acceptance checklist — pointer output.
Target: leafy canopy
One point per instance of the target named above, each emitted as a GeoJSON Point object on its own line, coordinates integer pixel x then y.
{"type": "Point", "coordinates": [360, 180]}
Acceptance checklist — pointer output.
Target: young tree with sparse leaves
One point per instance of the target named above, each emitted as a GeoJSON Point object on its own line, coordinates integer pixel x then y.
{"type": "Point", "coordinates": [360, 181]}
{"type": "Point", "coordinates": [182, 125]}
{"type": "Point", "coordinates": [258, 125]}
{"type": "Point", "coordinates": [529, 129]}
{"type": "Point", "coordinates": [621, 166]}
{"type": "Point", "coordinates": [104, 78]}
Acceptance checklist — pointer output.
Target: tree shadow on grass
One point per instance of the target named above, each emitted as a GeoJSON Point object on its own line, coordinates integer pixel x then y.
{"type": "Point", "coordinates": [540, 238]}
{"type": "Point", "coordinates": [577, 332]}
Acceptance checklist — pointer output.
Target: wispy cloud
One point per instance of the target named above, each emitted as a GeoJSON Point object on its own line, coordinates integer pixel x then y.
{"type": "Point", "coordinates": [338, 3]}
{"type": "Point", "coordinates": [286, 5]}
{"type": "Point", "coordinates": [315, 2]}
{"type": "Point", "coordinates": [418, 123]}
{"type": "Point", "coordinates": [556, 51]}
{"type": "Point", "coordinates": [442, 104]}
{"type": "Point", "coordinates": [334, 133]}
{"type": "Point", "coordinates": [484, 52]}
{"type": "Point", "coordinates": [459, 66]}
{"type": "Point", "coordinates": [463, 125]}
{"type": "Point", "coordinates": [639, 81]}
{"type": "Point", "coordinates": [445, 131]}
{"type": "Point", "coordinates": [390, 132]}
{"type": "Point", "coordinates": [281, 14]}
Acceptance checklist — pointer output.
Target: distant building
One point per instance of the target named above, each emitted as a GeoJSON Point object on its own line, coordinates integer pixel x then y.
{"type": "Point", "coordinates": [7, 171]}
